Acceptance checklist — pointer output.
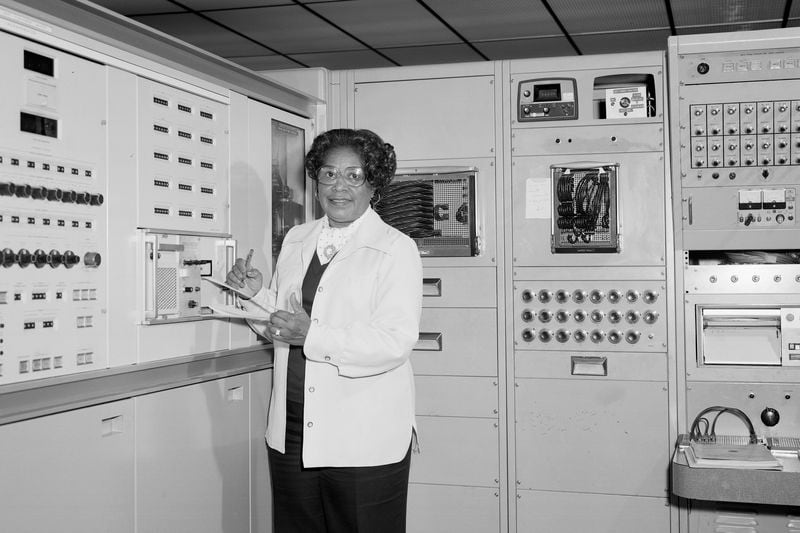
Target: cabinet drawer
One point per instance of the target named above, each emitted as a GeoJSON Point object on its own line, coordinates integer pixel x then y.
{"type": "Point", "coordinates": [459, 287]}
{"type": "Point", "coordinates": [457, 396]}
{"type": "Point", "coordinates": [457, 342]}
{"type": "Point", "coordinates": [457, 451]}
{"type": "Point", "coordinates": [437, 508]}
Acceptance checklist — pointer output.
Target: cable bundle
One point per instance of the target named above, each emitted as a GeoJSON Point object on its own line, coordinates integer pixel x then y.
{"type": "Point", "coordinates": [408, 207]}
{"type": "Point", "coordinates": [708, 433]}
{"type": "Point", "coordinates": [586, 209]}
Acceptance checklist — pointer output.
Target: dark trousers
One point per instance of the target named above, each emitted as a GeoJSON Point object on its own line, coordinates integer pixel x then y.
{"type": "Point", "coordinates": [369, 499]}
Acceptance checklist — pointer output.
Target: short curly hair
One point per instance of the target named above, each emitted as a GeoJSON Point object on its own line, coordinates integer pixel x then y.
{"type": "Point", "coordinates": [377, 157]}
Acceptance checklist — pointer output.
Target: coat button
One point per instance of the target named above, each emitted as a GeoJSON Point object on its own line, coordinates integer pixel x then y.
{"type": "Point", "coordinates": [311, 389]}
{"type": "Point", "coordinates": [315, 321]}
{"type": "Point", "coordinates": [310, 424]}
{"type": "Point", "coordinates": [319, 289]}
{"type": "Point", "coordinates": [327, 357]}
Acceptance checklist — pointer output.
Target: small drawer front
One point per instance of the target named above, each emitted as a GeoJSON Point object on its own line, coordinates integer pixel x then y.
{"type": "Point", "coordinates": [457, 451]}
{"type": "Point", "coordinates": [459, 287]}
{"type": "Point", "coordinates": [434, 508]}
{"type": "Point", "coordinates": [570, 511]}
{"type": "Point", "coordinates": [457, 342]}
{"type": "Point", "coordinates": [456, 396]}
{"type": "Point", "coordinates": [606, 366]}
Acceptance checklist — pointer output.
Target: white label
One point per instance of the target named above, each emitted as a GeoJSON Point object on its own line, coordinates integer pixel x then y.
{"type": "Point", "coordinates": [537, 198]}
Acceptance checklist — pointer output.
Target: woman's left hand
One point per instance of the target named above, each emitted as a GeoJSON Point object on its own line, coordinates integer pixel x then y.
{"type": "Point", "coordinates": [290, 326]}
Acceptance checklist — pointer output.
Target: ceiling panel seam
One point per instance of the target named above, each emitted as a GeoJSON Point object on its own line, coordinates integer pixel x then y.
{"type": "Point", "coordinates": [236, 32]}
{"type": "Point", "coordinates": [452, 29]}
{"type": "Point", "coordinates": [339, 28]}
{"type": "Point", "coordinates": [555, 18]}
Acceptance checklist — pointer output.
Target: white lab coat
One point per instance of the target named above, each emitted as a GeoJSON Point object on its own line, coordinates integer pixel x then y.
{"type": "Point", "coordinates": [359, 385]}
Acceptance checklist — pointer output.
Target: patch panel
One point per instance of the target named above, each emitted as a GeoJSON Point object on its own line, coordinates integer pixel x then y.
{"type": "Point", "coordinates": [207, 165]}
{"type": "Point", "coordinates": [207, 190]}
{"type": "Point", "coordinates": [184, 134]}
{"type": "Point", "coordinates": [185, 213]}
{"type": "Point", "coordinates": [161, 101]}
{"type": "Point", "coordinates": [206, 140]}
{"type": "Point", "coordinates": [160, 129]}
{"type": "Point", "coordinates": [185, 187]}
{"type": "Point", "coordinates": [161, 183]}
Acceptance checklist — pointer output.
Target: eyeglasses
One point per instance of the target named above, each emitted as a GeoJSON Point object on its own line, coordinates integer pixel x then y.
{"type": "Point", "coordinates": [353, 176]}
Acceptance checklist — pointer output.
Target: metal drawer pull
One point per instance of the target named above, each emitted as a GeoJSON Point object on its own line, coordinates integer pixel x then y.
{"type": "Point", "coordinates": [429, 342]}
{"type": "Point", "coordinates": [431, 286]}
{"type": "Point", "coordinates": [583, 365]}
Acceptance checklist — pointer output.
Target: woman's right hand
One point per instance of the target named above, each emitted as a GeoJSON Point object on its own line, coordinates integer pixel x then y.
{"type": "Point", "coordinates": [244, 277]}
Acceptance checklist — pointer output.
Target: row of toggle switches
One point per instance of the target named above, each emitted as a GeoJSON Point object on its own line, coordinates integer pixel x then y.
{"type": "Point", "coordinates": [39, 258]}
{"type": "Point", "coordinates": [52, 195]}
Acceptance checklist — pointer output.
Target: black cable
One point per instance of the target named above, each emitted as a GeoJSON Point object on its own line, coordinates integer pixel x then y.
{"type": "Point", "coordinates": [709, 433]}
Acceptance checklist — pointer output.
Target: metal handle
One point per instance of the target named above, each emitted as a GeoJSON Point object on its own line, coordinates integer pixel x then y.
{"type": "Point", "coordinates": [230, 258]}
{"type": "Point", "coordinates": [691, 217]}
{"type": "Point", "coordinates": [150, 265]}
{"type": "Point", "coordinates": [429, 342]}
{"type": "Point", "coordinates": [111, 425]}
{"type": "Point", "coordinates": [432, 287]}
{"type": "Point", "coordinates": [738, 317]}
{"type": "Point", "coordinates": [589, 365]}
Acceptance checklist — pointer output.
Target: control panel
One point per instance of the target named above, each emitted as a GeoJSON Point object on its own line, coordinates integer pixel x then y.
{"type": "Point", "coordinates": [599, 315]}
{"type": "Point", "coordinates": [183, 143]}
{"type": "Point", "coordinates": [767, 207]}
{"type": "Point", "coordinates": [547, 99]}
{"type": "Point", "coordinates": [744, 134]}
{"type": "Point", "coordinates": [53, 216]}
{"type": "Point", "coordinates": [174, 267]}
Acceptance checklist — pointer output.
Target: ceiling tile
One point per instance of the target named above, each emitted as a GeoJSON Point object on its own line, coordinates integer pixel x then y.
{"type": "Point", "coordinates": [590, 16]}
{"type": "Point", "coordinates": [428, 55]}
{"type": "Point", "coordinates": [139, 7]}
{"type": "Point", "coordinates": [343, 59]}
{"type": "Point", "coordinates": [387, 23]}
{"type": "Point", "coordinates": [288, 29]}
{"type": "Point", "coordinates": [708, 12]}
{"type": "Point", "coordinates": [479, 20]}
{"type": "Point", "coordinates": [630, 41]}
{"type": "Point", "coordinates": [525, 48]}
{"type": "Point", "coordinates": [204, 34]}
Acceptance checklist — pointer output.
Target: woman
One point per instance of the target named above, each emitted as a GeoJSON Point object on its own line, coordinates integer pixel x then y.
{"type": "Point", "coordinates": [341, 416]}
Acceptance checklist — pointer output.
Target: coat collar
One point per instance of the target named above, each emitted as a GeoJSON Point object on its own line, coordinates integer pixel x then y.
{"type": "Point", "coordinates": [373, 233]}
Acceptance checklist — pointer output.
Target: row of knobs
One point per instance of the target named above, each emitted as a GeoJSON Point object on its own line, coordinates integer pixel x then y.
{"type": "Point", "coordinates": [748, 129]}
{"type": "Point", "coordinates": [596, 316]}
{"type": "Point", "coordinates": [52, 195]}
{"type": "Point", "coordinates": [594, 296]}
{"type": "Point", "coordinates": [748, 109]}
{"type": "Point", "coordinates": [580, 335]}
{"type": "Point", "coordinates": [39, 258]}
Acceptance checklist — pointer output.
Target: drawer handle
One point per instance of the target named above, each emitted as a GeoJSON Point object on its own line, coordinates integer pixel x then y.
{"type": "Point", "coordinates": [588, 365]}
{"type": "Point", "coordinates": [431, 286]}
{"type": "Point", "coordinates": [429, 342]}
